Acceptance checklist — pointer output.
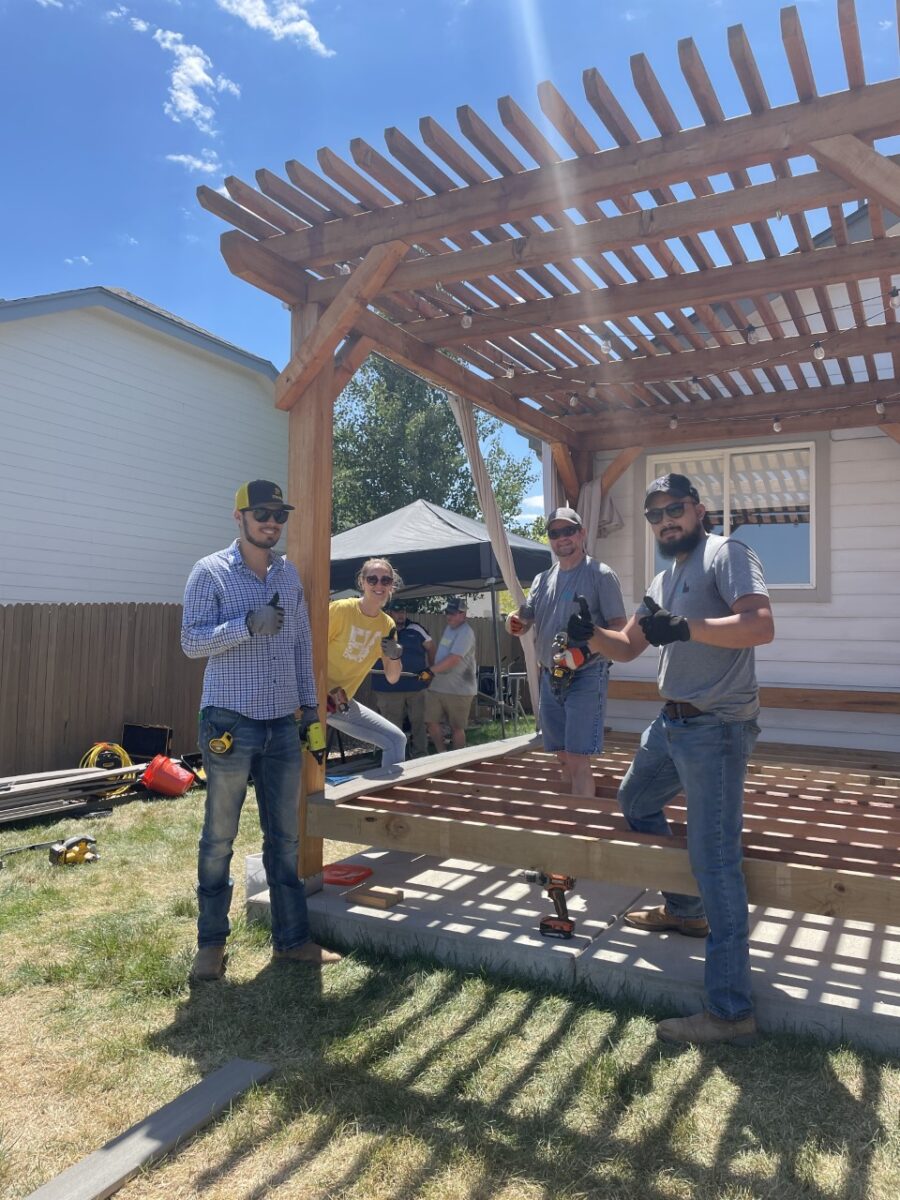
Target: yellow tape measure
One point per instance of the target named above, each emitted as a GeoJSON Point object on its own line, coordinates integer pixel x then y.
{"type": "Point", "coordinates": [221, 745]}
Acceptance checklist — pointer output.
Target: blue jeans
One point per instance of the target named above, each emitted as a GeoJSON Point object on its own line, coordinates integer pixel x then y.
{"type": "Point", "coordinates": [706, 758]}
{"type": "Point", "coordinates": [270, 750]}
{"type": "Point", "coordinates": [573, 721]}
{"type": "Point", "coordinates": [369, 726]}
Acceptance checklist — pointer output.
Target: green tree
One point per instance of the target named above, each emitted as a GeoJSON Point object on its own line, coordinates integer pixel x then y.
{"type": "Point", "coordinates": [395, 441]}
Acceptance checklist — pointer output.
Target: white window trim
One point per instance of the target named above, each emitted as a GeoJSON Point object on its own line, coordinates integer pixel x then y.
{"type": "Point", "coordinates": [817, 592]}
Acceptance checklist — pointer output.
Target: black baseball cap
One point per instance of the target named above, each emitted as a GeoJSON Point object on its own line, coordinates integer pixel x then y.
{"type": "Point", "coordinates": [259, 491]}
{"type": "Point", "coordinates": [675, 485]}
{"type": "Point", "coordinates": [456, 604]}
{"type": "Point", "coordinates": [566, 514]}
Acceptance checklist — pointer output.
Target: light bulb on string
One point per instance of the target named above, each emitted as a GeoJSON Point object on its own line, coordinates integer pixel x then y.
{"type": "Point", "coordinates": [343, 268]}
{"type": "Point", "coordinates": [879, 407]}
{"type": "Point", "coordinates": [508, 370]}
{"type": "Point", "coordinates": [673, 422]}
{"type": "Point", "coordinates": [695, 385]}
{"type": "Point", "coordinates": [818, 351]}
{"type": "Point", "coordinates": [605, 345]}
{"type": "Point", "coordinates": [573, 400]}
{"type": "Point", "coordinates": [466, 319]}
{"type": "Point", "coordinates": [895, 297]}
{"type": "Point", "coordinates": [592, 392]}
{"type": "Point", "coordinates": [776, 425]}
{"type": "Point", "coordinates": [751, 333]}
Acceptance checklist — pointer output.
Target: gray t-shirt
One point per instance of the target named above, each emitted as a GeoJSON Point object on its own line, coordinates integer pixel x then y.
{"type": "Point", "coordinates": [716, 574]}
{"type": "Point", "coordinates": [551, 601]}
{"type": "Point", "coordinates": [461, 679]}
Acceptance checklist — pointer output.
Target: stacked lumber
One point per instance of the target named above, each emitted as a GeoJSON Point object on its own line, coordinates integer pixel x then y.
{"type": "Point", "coordinates": [24, 796]}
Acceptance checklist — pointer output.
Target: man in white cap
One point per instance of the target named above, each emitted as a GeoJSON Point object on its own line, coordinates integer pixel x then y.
{"type": "Point", "coordinates": [574, 681]}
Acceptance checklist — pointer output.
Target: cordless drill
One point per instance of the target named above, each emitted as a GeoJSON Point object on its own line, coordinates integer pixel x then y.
{"type": "Point", "coordinates": [313, 740]}
{"type": "Point", "coordinates": [561, 924]}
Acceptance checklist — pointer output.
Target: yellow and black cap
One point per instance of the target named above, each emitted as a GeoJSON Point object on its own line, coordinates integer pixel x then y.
{"type": "Point", "coordinates": [257, 492]}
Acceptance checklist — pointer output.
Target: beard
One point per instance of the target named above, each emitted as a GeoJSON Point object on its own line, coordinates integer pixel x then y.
{"type": "Point", "coordinates": [261, 541]}
{"type": "Point", "coordinates": [683, 545]}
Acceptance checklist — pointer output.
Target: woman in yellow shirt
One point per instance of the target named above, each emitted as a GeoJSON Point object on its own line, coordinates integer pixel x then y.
{"type": "Point", "coordinates": [359, 633]}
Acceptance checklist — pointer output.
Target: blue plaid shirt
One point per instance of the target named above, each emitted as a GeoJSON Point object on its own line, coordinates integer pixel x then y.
{"type": "Point", "coordinates": [260, 677]}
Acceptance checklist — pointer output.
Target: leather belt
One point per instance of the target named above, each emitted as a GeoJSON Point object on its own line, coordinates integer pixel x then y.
{"type": "Point", "coordinates": [680, 710]}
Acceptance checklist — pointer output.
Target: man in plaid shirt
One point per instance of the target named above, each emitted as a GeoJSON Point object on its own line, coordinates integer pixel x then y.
{"type": "Point", "coordinates": [244, 611]}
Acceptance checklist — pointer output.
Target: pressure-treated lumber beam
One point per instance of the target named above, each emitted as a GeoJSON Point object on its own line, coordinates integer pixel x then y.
{"type": "Point", "coordinates": [818, 189]}
{"type": "Point", "coordinates": [350, 359]}
{"type": "Point", "coordinates": [257, 264]}
{"type": "Point", "coordinates": [813, 699]}
{"type": "Point", "coordinates": [565, 466]}
{"type": "Point", "coordinates": [407, 351]}
{"type": "Point", "coordinates": [876, 177]}
{"type": "Point", "coordinates": [332, 327]}
{"type": "Point", "coordinates": [619, 466]}
{"type": "Point", "coordinates": [811, 410]}
{"type": "Point", "coordinates": [834, 264]}
{"type": "Point", "coordinates": [663, 368]}
{"type": "Point", "coordinates": [893, 431]}
{"type": "Point", "coordinates": [741, 142]}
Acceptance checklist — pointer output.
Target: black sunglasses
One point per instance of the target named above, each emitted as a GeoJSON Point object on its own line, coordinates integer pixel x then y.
{"type": "Point", "coordinates": [384, 580]}
{"type": "Point", "coordinates": [674, 510]}
{"type": "Point", "coordinates": [566, 531]}
{"type": "Point", "coordinates": [261, 515]}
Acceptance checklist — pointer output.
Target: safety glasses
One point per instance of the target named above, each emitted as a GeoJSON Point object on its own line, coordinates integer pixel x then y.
{"type": "Point", "coordinates": [261, 515]}
{"type": "Point", "coordinates": [673, 510]}
{"type": "Point", "coordinates": [565, 531]}
{"type": "Point", "coordinates": [384, 580]}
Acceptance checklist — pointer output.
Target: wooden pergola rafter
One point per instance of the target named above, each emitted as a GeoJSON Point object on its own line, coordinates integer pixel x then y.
{"type": "Point", "coordinates": [598, 291]}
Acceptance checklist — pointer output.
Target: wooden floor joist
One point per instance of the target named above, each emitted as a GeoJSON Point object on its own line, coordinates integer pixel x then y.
{"type": "Point", "coordinates": [821, 832]}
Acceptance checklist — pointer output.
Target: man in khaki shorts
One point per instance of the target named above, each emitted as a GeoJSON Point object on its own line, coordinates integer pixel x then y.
{"type": "Point", "coordinates": [449, 698]}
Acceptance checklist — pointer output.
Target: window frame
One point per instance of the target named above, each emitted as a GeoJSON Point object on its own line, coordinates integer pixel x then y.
{"type": "Point", "coordinates": [819, 445]}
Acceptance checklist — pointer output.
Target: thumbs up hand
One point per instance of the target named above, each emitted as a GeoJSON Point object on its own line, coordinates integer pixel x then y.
{"type": "Point", "coordinates": [581, 628]}
{"type": "Point", "coordinates": [662, 628]}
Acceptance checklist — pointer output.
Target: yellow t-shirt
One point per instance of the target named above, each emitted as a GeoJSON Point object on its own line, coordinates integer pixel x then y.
{"type": "Point", "coordinates": [354, 643]}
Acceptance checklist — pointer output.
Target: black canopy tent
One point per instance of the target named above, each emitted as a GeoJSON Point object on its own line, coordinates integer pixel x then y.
{"type": "Point", "coordinates": [437, 552]}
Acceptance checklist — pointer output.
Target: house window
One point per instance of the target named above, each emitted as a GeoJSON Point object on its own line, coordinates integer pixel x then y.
{"type": "Point", "coordinates": [760, 495]}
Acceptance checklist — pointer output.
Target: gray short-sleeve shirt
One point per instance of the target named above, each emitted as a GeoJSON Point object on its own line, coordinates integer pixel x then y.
{"type": "Point", "coordinates": [715, 575]}
{"type": "Point", "coordinates": [551, 600]}
{"type": "Point", "coordinates": [460, 680]}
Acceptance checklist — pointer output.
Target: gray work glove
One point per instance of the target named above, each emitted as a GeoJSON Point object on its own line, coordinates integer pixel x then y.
{"type": "Point", "coordinates": [390, 647]}
{"type": "Point", "coordinates": [266, 621]}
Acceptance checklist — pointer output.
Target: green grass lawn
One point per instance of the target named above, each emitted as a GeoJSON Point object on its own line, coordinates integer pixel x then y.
{"type": "Point", "coordinates": [395, 1080]}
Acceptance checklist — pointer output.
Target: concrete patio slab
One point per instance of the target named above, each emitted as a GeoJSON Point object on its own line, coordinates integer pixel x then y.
{"type": "Point", "coordinates": [836, 980]}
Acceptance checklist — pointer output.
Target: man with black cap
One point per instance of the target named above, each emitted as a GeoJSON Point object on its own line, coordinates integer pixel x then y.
{"type": "Point", "coordinates": [449, 697]}
{"type": "Point", "coordinates": [573, 700]}
{"type": "Point", "coordinates": [706, 611]}
{"type": "Point", "coordinates": [406, 697]}
{"type": "Point", "coordinates": [244, 611]}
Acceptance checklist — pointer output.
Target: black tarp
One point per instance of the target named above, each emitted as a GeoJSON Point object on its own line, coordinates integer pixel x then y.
{"type": "Point", "coordinates": [435, 550]}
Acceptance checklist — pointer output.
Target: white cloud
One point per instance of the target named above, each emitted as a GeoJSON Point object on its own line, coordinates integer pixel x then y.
{"type": "Point", "coordinates": [280, 19]}
{"type": "Point", "coordinates": [207, 164]}
{"type": "Point", "coordinates": [884, 26]}
{"type": "Point", "coordinates": [532, 505]}
{"type": "Point", "coordinates": [633, 14]}
{"type": "Point", "coordinates": [191, 82]}
{"type": "Point", "coordinates": [80, 260]}
{"type": "Point", "coordinates": [125, 239]}
{"type": "Point", "coordinates": [139, 25]}
{"type": "Point", "coordinates": [50, 3]}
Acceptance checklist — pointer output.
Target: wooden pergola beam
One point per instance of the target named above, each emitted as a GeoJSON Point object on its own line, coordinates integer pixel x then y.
{"type": "Point", "coordinates": [821, 267]}
{"type": "Point", "coordinates": [740, 142]}
{"type": "Point", "coordinates": [257, 264]}
{"type": "Point", "coordinates": [335, 323]}
{"type": "Point", "coordinates": [565, 468]}
{"type": "Point", "coordinates": [664, 368]}
{"type": "Point", "coordinates": [818, 189]}
{"type": "Point", "coordinates": [877, 177]}
{"type": "Point", "coordinates": [407, 351]}
{"type": "Point", "coordinates": [619, 466]}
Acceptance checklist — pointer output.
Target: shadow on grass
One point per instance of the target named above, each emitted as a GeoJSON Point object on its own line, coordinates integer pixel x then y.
{"type": "Point", "coordinates": [468, 1068]}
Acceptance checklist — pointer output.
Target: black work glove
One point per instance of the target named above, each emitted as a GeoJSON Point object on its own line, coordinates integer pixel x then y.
{"type": "Point", "coordinates": [390, 647]}
{"type": "Point", "coordinates": [308, 716]}
{"type": "Point", "coordinates": [425, 676]}
{"type": "Point", "coordinates": [581, 626]}
{"type": "Point", "coordinates": [267, 620]}
{"type": "Point", "coordinates": [662, 628]}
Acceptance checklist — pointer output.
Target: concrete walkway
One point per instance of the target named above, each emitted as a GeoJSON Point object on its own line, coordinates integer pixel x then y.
{"type": "Point", "coordinates": [835, 980]}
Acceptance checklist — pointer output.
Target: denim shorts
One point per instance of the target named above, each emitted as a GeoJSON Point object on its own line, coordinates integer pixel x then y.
{"type": "Point", "coordinates": [574, 721]}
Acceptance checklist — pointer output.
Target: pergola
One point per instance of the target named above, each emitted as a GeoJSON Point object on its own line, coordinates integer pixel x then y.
{"type": "Point", "coordinates": [597, 297]}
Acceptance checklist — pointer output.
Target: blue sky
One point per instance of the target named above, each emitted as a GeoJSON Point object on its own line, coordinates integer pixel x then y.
{"type": "Point", "coordinates": [122, 109]}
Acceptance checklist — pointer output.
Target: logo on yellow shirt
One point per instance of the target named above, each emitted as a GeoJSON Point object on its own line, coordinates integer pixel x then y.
{"type": "Point", "coordinates": [360, 643]}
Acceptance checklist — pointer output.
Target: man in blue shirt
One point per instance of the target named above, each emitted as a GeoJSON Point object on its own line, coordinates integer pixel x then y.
{"type": "Point", "coordinates": [244, 611]}
{"type": "Point", "coordinates": [406, 697]}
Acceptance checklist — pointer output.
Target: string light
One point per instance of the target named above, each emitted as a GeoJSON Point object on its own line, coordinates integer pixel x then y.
{"type": "Point", "coordinates": [673, 422]}
{"type": "Point", "coordinates": [343, 268]}
{"type": "Point", "coordinates": [573, 400]}
{"type": "Point", "coordinates": [695, 385]}
{"type": "Point", "coordinates": [776, 425]}
{"type": "Point", "coordinates": [752, 335]}
{"type": "Point", "coordinates": [508, 370]}
{"type": "Point", "coordinates": [895, 298]}
{"type": "Point", "coordinates": [818, 351]}
{"type": "Point", "coordinates": [879, 407]}
{"type": "Point", "coordinates": [592, 392]}
{"type": "Point", "coordinates": [606, 344]}
{"type": "Point", "coordinates": [466, 319]}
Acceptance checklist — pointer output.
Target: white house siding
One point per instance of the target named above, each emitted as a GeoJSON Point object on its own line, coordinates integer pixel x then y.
{"type": "Point", "coordinates": [120, 452]}
{"type": "Point", "coordinates": [853, 641]}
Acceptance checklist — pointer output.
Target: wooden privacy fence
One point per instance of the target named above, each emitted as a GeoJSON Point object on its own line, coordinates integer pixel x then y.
{"type": "Point", "coordinates": [73, 674]}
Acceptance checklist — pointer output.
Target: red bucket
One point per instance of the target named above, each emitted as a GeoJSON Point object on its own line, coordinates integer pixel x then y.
{"type": "Point", "coordinates": [165, 776]}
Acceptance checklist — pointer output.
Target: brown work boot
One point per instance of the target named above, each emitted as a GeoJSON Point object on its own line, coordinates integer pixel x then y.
{"type": "Point", "coordinates": [703, 1029]}
{"type": "Point", "coordinates": [309, 953]}
{"type": "Point", "coordinates": [658, 920]}
{"type": "Point", "coordinates": [209, 963]}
